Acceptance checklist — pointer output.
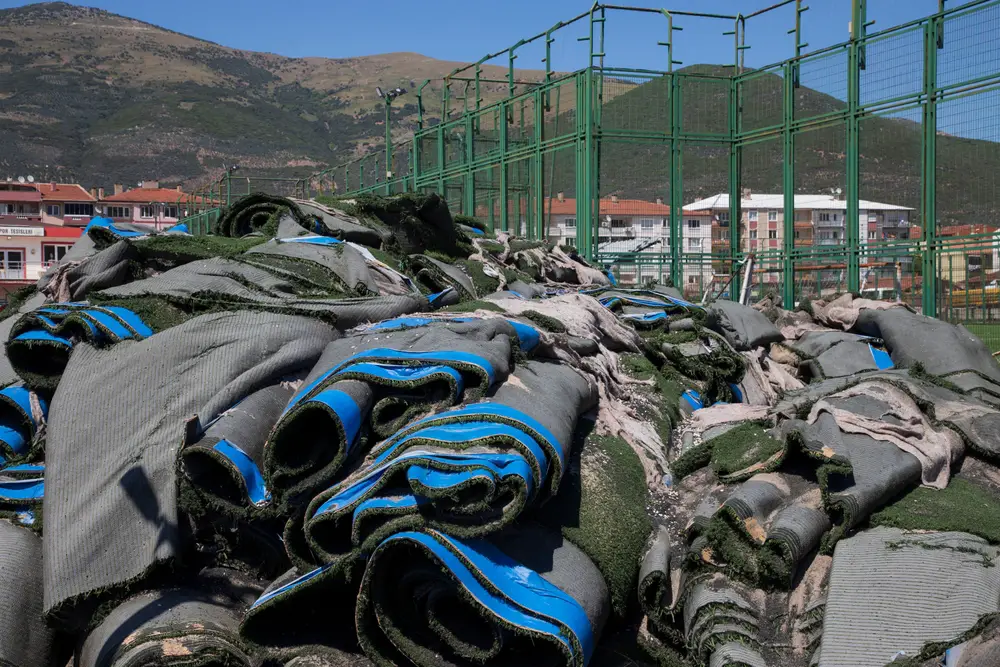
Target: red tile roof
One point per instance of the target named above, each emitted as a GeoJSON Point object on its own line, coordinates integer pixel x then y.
{"type": "Point", "coordinates": [64, 192]}
{"type": "Point", "coordinates": [609, 207]}
{"type": "Point", "coordinates": [149, 195]}
{"type": "Point", "coordinates": [967, 230]}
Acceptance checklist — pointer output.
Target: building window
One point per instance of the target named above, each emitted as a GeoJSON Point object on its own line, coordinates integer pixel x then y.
{"type": "Point", "coordinates": [798, 235]}
{"type": "Point", "coordinates": [724, 219]}
{"type": "Point", "coordinates": [52, 209]}
{"type": "Point", "coordinates": [694, 224]}
{"type": "Point", "coordinates": [570, 241]}
{"type": "Point", "coordinates": [836, 235]}
{"type": "Point", "coordinates": [119, 212]}
{"type": "Point", "coordinates": [772, 234]}
{"type": "Point", "coordinates": [647, 223]}
{"type": "Point", "coordinates": [169, 211]}
{"type": "Point", "coordinates": [619, 223]}
{"type": "Point", "coordinates": [568, 223]}
{"type": "Point", "coordinates": [52, 253]}
{"type": "Point", "coordinates": [692, 280]}
{"type": "Point", "coordinates": [694, 244]}
{"type": "Point", "coordinates": [752, 216]}
{"type": "Point", "coordinates": [772, 216]}
{"type": "Point", "coordinates": [824, 217]}
{"type": "Point", "coordinates": [12, 264]}
{"type": "Point", "coordinates": [753, 233]}
{"type": "Point", "coordinates": [872, 235]}
{"type": "Point", "coordinates": [80, 209]}
{"type": "Point", "coordinates": [147, 211]}
{"type": "Point", "coordinates": [835, 218]}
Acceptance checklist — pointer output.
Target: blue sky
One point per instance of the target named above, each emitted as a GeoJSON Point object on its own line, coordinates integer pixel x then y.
{"type": "Point", "coordinates": [468, 29]}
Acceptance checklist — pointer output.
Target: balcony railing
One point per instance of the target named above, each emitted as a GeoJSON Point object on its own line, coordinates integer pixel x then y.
{"type": "Point", "coordinates": [12, 271]}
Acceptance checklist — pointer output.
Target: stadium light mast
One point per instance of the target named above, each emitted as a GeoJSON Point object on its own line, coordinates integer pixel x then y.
{"type": "Point", "coordinates": [388, 96]}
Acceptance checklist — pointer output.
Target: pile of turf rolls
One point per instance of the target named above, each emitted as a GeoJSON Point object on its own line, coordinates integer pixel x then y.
{"type": "Point", "coordinates": [312, 438]}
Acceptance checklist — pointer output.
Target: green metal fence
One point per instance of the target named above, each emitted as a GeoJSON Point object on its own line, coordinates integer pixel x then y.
{"type": "Point", "coordinates": [870, 166]}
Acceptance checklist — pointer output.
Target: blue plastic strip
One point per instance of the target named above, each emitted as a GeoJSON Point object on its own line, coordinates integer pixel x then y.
{"type": "Point", "coordinates": [737, 392]}
{"type": "Point", "coordinates": [477, 231]}
{"type": "Point", "coordinates": [253, 480]}
{"type": "Point", "coordinates": [21, 489]}
{"type": "Point", "coordinates": [14, 440]}
{"type": "Point", "coordinates": [312, 240]}
{"type": "Point", "coordinates": [881, 358]}
{"type": "Point", "coordinates": [481, 411]}
{"type": "Point", "coordinates": [645, 317]}
{"type": "Point", "coordinates": [131, 319]}
{"type": "Point", "coordinates": [347, 412]}
{"type": "Point", "coordinates": [611, 277]}
{"type": "Point", "coordinates": [290, 585]}
{"type": "Point", "coordinates": [390, 355]}
{"type": "Point", "coordinates": [397, 373]}
{"type": "Point", "coordinates": [528, 601]}
{"type": "Point", "coordinates": [108, 223]}
{"type": "Point", "coordinates": [26, 468]}
{"type": "Point", "coordinates": [43, 336]}
{"type": "Point", "coordinates": [527, 335]}
{"type": "Point", "coordinates": [111, 323]}
{"type": "Point", "coordinates": [21, 396]}
{"type": "Point", "coordinates": [414, 322]}
{"type": "Point", "coordinates": [693, 399]}
{"type": "Point", "coordinates": [434, 298]}
{"type": "Point", "coordinates": [179, 228]}
{"type": "Point", "coordinates": [497, 465]}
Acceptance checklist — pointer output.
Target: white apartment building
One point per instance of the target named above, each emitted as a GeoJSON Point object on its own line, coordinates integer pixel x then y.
{"type": "Point", "coordinates": [639, 227]}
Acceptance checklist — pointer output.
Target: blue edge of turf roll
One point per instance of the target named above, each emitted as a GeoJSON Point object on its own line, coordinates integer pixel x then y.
{"type": "Point", "coordinates": [412, 366]}
{"type": "Point", "coordinates": [524, 599]}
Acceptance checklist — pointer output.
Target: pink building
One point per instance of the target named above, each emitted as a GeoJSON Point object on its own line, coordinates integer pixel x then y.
{"type": "Point", "coordinates": [148, 204]}
{"type": "Point", "coordinates": [66, 204]}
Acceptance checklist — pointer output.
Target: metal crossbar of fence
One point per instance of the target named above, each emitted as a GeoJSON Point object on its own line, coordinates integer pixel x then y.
{"type": "Point", "coordinates": [868, 166]}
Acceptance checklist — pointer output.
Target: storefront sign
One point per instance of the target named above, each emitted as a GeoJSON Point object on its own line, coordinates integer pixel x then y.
{"type": "Point", "coordinates": [22, 231]}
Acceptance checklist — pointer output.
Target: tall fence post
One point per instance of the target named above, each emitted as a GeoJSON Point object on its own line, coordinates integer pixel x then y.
{"type": "Point", "coordinates": [928, 179]}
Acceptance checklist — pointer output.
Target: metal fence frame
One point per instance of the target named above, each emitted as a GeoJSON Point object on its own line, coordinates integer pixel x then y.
{"type": "Point", "coordinates": [505, 161]}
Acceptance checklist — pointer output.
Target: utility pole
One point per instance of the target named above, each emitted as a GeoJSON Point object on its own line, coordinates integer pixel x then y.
{"type": "Point", "coordinates": [387, 97]}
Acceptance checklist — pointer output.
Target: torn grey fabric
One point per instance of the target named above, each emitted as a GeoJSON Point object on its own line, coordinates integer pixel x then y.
{"type": "Point", "coordinates": [943, 349]}
{"type": "Point", "coordinates": [26, 641]}
{"type": "Point", "coordinates": [892, 590]}
{"type": "Point", "coordinates": [194, 624]}
{"type": "Point", "coordinates": [437, 276]}
{"type": "Point", "coordinates": [332, 267]}
{"type": "Point", "coordinates": [110, 528]}
{"type": "Point", "coordinates": [223, 281]}
{"type": "Point", "coordinates": [343, 226]}
{"type": "Point", "coordinates": [715, 613]}
{"type": "Point", "coordinates": [896, 419]}
{"type": "Point", "coordinates": [845, 311]}
{"type": "Point", "coordinates": [861, 474]}
{"type": "Point", "coordinates": [654, 581]}
{"type": "Point", "coordinates": [74, 280]}
{"type": "Point", "coordinates": [743, 327]}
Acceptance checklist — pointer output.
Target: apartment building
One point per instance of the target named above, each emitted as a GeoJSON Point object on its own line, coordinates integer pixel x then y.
{"type": "Point", "coordinates": [148, 204]}
{"type": "Point", "coordinates": [820, 220]}
{"type": "Point", "coordinates": [634, 228]}
{"type": "Point", "coordinates": [66, 204]}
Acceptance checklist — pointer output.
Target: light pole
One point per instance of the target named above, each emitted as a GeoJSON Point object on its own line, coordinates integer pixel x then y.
{"type": "Point", "coordinates": [388, 96]}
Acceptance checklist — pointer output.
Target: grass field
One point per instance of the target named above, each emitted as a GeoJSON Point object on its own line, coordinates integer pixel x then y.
{"type": "Point", "coordinates": [990, 333]}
